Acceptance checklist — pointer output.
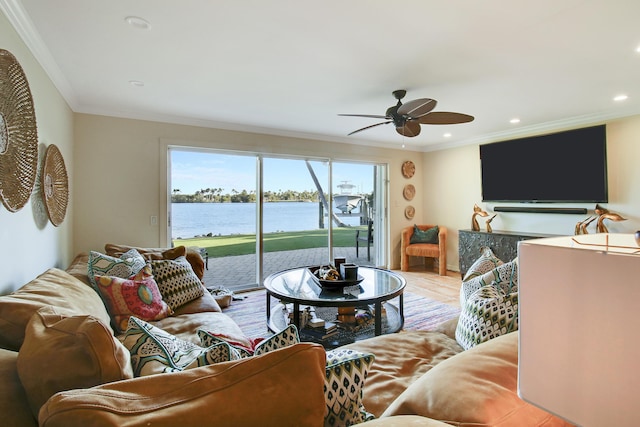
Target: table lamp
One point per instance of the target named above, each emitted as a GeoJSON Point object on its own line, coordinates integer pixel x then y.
{"type": "Point", "coordinates": [579, 326]}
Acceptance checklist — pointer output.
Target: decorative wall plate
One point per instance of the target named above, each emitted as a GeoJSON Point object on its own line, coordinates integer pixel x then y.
{"type": "Point", "coordinates": [408, 169]}
{"type": "Point", "coordinates": [409, 212]}
{"type": "Point", "coordinates": [409, 191]}
{"type": "Point", "coordinates": [55, 185]}
{"type": "Point", "coordinates": [18, 135]}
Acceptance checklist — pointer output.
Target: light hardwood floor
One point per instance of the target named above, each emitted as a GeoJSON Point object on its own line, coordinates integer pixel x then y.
{"type": "Point", "coordinates": [425, 281]}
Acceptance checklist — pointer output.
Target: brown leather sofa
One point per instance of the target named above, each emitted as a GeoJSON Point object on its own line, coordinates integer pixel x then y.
{"type": "Point", "coordinates": [417, 379]}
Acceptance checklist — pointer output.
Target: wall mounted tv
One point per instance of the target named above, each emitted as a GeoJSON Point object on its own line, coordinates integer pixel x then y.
{"type": "Point", "coordinates": [561, 167]}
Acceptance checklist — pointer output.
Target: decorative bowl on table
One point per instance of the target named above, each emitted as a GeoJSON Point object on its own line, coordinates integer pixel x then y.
{"type": "Point", "coordinates": [329, 277]}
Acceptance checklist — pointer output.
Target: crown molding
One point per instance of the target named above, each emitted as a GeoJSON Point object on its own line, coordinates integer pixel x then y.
{"type": "Point", "coordinates": [19, 19]}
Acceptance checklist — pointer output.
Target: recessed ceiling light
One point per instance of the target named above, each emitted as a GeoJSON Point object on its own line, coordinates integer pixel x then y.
{"type": "Point", "coordinates": [514, 120]}
{"type": "Point", "coordinates": [621, 97]}
{"type": "Point", "coordinates": [137, 22]}
{"type": "Point", "coordinates": [638, 49]}
{"type": "Point", "coordinates": [447, 135]}
{"type": "Point", "coordinates": [136, 83]}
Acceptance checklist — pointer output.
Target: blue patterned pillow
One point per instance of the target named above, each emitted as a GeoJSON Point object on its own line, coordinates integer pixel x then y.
{"type": "Point", "coordinates": [128, 264]}
{"type": "Point", "coordinates": [154, 351]}
{"type": "Point", "coordinates": [345, 373]}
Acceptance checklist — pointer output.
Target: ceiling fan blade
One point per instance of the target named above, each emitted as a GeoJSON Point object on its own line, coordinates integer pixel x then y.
{"type": "Point", "coordinates": [445, 118]}
{"type": "Point", "coordinates": [373, 116]}
{"type": "Point", "coordinates": [369, 127]}
{"type": "Point", "coordinates": [417, 107]}
{"type": "Point", "coordinates": [410, 129]}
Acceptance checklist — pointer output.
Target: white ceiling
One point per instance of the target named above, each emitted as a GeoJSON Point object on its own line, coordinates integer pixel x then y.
{"type": "Point", "coordinates": [289, 67]}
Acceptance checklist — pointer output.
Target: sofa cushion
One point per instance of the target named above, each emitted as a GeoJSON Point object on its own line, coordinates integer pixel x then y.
{"type": "Point", "coordinates": [177, 282]}
{"type": "Point", "coordinates": [14, 405]}
{"type": "Point", "coordinates": [191, 253]}
{"type": "Point", "coordinates": [401, 359]}
{"type": "Point", "coordinates": [63, 351]}
{"type": "Point", "coordinates": [154, 351]}
{"type": "Point", "coordinates": [199, 305]}
{"type": "Point", "coordinates": [285, 389]}
{"type": "Point", "coordinates": [124, 266]}
{"type": "Point", "coordinates": [185, 327]}
{"type": "Point", "coordinates": [137, 296]}
{"type": "Point", "coordinates": [54, 287]}
{"type": "Point", "coordinates": [404, 421]}
{"type": "Point", "coordinates": [345, 375]}
{"type": "Point", "coordinates": [477, 387]}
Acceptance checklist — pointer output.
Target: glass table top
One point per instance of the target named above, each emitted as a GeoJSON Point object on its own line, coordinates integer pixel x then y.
{"type": "Point", "coordinates": [299, 284]}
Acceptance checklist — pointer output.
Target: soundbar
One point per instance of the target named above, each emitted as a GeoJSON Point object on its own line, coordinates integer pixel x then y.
{"type": "Point", "coordinates": [532, 209]}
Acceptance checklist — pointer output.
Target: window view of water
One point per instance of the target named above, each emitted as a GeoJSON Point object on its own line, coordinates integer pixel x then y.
{"type": "Point", "coordinates": [200, 219]}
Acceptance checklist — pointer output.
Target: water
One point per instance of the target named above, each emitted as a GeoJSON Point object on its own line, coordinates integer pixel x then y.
{"type": "Point", "coordinates": [198, 219]}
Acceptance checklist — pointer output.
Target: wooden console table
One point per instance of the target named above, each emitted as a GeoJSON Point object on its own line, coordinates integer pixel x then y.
{"type": "Point", "coordinates": [503, 243]}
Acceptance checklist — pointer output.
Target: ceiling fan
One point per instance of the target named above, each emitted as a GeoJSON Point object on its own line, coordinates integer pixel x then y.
{"type": "Point", "coordinates": [408, 117]}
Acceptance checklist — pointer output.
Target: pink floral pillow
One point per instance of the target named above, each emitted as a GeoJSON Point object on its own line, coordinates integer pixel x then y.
{"type": "Point", "coordinates": [137, 296]}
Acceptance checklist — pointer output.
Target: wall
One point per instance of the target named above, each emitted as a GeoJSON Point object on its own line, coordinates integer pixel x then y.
{"type": "Point", "coordinates": [451, 179]}
{"type": "Point", "coordinates": [30, 243]}
{"type": "Point", "coordinates": [121, 175]}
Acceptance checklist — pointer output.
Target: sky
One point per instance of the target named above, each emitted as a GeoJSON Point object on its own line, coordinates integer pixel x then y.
{"type": "Point", "coordinates": [195, 170]}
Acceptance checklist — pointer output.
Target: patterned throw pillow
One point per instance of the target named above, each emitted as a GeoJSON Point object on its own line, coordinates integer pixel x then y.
{"type": "Point", "coordinates": [426, 236]}
{"type": "Point", "coordinates": [238, 349]}
{"type": "Point", "coordinates": [154, 351]}
{"type": "Point", "coordinates": [345, 373]}
{"type": "Point", "coordinates": [285, 338]}
{"type": "Point", "coordinates": [137, 296]}
{"type": "Point", "coordinates": [487, 262]}
{"type": "Point", "coordinates": [505, 276]}
{"type": "Point", "coordinates": [177, 282]}
{"type": "Point", "coordinates": [489, 312]}
{"type": "Point", "coordinates": [128, 264]}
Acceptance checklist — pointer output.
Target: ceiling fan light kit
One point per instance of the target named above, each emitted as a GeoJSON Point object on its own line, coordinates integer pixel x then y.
{"type": "Point", "coordinates": [408, 117]}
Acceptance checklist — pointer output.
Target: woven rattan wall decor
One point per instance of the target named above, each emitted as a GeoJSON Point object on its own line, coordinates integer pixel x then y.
{"type": "Point", "coordinates": [55, 185]}
{"type": "Point", "coordinates": [18, 135]}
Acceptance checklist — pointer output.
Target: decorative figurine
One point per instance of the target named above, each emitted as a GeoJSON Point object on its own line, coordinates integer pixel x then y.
{"type": "Point", "coordinates": [489, 229]}
{"type": "Point", "coordinates": [604, 213]}
{"type": "Point", "coordinates": [601, 228]}
{"type": "Point", "coordinates": [581, 227]}
{"type": "Point", "coordinates": [474, 222]}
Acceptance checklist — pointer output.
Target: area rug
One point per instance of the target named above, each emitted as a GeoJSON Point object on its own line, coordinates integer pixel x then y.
{"type": "Point", "coordinates": [420, 313]}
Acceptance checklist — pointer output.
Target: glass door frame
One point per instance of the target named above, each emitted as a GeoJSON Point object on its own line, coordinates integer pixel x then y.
{"type": "Point", "coordinates": [381, 201]}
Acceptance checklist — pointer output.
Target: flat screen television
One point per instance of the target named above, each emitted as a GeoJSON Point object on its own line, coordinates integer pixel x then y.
{"type": "Point", "coordinates": [560, 167]}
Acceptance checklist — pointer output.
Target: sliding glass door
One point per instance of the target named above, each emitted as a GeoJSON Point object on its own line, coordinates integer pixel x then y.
{"type": "Point", "coordinates": [214, 206]}
{"type": "Point", "coordinates": [295, 232]}
{"type": "Point", "coordinates": [255, 215]}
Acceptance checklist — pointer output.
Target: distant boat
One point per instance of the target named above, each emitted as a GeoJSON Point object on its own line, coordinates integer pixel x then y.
{"type": "Point", "coordinates": [346, 201]}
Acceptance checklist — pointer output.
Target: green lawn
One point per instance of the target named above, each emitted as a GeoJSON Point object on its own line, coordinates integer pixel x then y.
{"type": "Point", "coordinates": [243, 244]}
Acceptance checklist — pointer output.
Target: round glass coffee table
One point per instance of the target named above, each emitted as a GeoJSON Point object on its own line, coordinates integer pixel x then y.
{"type": "Point", "coordinates": [298, 290]}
